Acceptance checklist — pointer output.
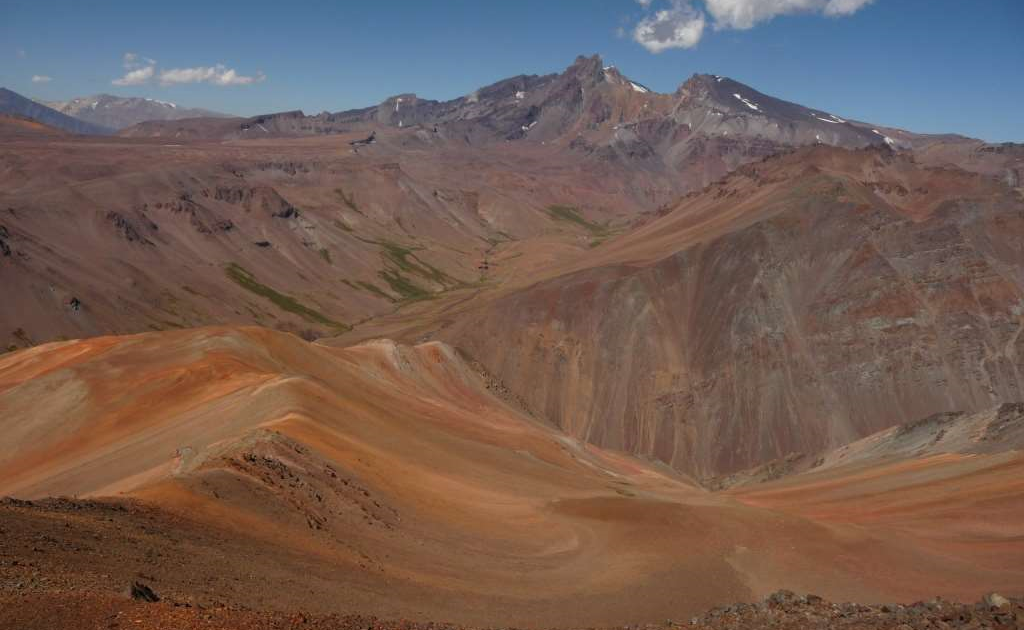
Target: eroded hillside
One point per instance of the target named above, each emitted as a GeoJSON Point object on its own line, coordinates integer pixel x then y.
{"type": "Point", "coordinates": [799, 304]}
{"type": "Point", "coordinates": [250, 469]}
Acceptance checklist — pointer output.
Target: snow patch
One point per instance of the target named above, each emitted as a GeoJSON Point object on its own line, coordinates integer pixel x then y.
{"type": "Point", "coordinates": [639, 88]}
{"type": "Point", "coordinates": [832, 119]}
{"type": "Point", "coordinates": [889, 141]}
{"type": "Point", "coordinates": [520, 95]}
{"type": "Point", "coordinates": [398, 102]}
{"type": "Point", "coordinates": [749, 104]}
{"type": "Point", "coordinates": [262, 127]}
{"type": "Point", "coordinates": [528, 127]}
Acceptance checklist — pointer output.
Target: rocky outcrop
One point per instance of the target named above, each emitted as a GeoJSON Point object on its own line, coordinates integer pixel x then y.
{"type": "Point", "coordinates": [5, 248]}
{"type": "Point", "coordinates": [787, 610]}
{"type": "Point", "coordinates": [131, 228]}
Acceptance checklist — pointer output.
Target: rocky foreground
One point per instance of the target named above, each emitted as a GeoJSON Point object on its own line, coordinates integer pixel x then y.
{"type": "Point", "coordinates": [785, 609]}
{"type": "Point", "coordinates": [782, 610]}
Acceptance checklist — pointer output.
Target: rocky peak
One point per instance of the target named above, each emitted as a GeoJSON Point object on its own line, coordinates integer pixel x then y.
{"type": "Point", "coordinates": [586, 69]}
{"type": "Point", "coordinates": [702, 86]}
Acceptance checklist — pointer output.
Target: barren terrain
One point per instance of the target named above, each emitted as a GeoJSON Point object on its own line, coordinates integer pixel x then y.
{"type": "Point", "coordinates": [252, 469]}
{"type": "Point", "coordinates": [563, 352]}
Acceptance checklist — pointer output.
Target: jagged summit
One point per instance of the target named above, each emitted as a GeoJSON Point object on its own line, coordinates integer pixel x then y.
{"type": "Point", "coordinates": [591, 68]}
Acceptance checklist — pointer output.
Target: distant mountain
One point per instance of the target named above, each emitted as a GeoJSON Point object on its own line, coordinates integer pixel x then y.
{"type": "Point", "coordinates": [717, 105]}
{"type": "Point", "coordinates": [601, 104]}
{"type": "Point", "coordinates": [118, 112]}
{"type": "Point", "coordinates": [17, 105]}
{"type": "Point", "coordinates": [695, 135]}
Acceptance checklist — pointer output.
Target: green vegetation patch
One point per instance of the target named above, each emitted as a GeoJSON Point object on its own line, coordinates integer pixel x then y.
{"type": "Point", "coordinates": [247, 281]}
{"type": "Point", "coordinates": [407, 261]}
{"type": "Point", "coordinates": [372, 288]}
{"type": "Point", "coordinates": [362, 285]}
{"type": "Point", "coordinates": [403, 286]}
{"type": "Point", "coordinates": [349, 200]}
{"type": "Point", "coordinates": [402, 264]}
{"type": "Point", "coordinates": [570, 214]}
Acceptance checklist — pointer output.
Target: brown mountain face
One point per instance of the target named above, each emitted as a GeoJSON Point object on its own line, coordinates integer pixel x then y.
{"type": "Point", "coordinates": [126, 235]}
{"type": "Point", "coordinates": [799, 304]}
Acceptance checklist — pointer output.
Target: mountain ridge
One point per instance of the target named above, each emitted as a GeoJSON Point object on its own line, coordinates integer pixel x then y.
{"type": "Point", "coordinates": [119, 112]}
{"type": "Point", "coordinates": [785, 239]}
{"type": "Point", "coordinates": [13, 103]}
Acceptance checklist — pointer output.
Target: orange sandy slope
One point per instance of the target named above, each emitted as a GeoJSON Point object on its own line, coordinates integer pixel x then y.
{"type": "Point", "coordinates": [390, 481]}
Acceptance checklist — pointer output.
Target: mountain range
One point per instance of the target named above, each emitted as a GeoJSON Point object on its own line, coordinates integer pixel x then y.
{"type": "Point", "coordinates": [14, 104]}
{"type": "Point", "coordinates": [116, 112]}
{"type": "Point", "coordinates": [655, 352]}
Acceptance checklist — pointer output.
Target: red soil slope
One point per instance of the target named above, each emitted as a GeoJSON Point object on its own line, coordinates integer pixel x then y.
{"type": "Point", "coordinates": [254, 469]}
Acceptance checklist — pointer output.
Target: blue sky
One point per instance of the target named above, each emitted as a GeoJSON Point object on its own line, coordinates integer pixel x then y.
{"type": "Point", "coordinates": [924, 65]}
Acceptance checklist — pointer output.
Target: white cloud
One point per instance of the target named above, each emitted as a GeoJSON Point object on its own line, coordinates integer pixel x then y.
{"type": "Point", "coordinates": [21, 53]}
{"type": "Point", "coordinates": [139, 69]}
{"type": "Point", "coordinates": [216, 75]}
{"type": "Point", "coordinates": [41, 78]}
{"type": "Point", "coordinates": [845, 7]}
{"type": "Point", "coordinates": [131, 60]}
{"type": "Point", "coordinates": [682, 24]}
{"type": "Point", "coordinates": [745, 14]}
{"type": "Point", "coordinates": [136, 77]}
{"type": "Point", "coordinates": [679, 26]}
